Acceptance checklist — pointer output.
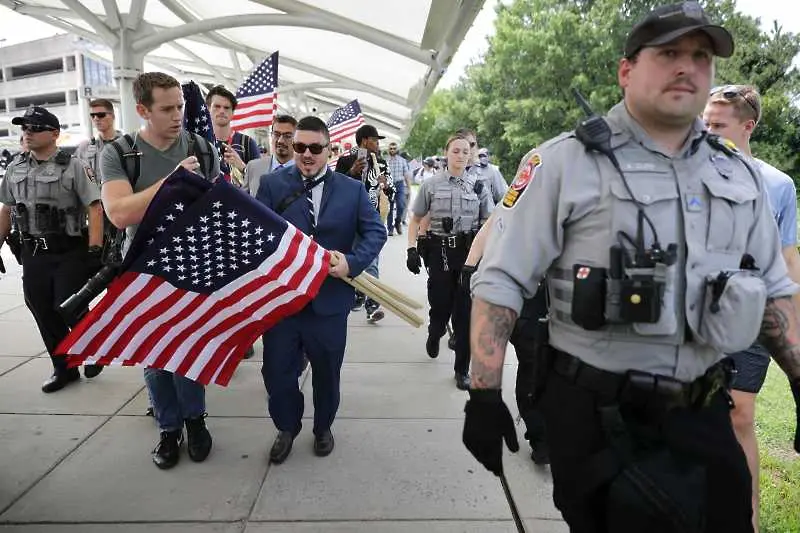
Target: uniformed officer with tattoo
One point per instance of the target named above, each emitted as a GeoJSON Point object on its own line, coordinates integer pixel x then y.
{"type": "Point", "coordinates": [48, 195]}
{"type": "Point", "coordinates": [458, 205]}
{"type": "Point", "coordinates": [661, 255]}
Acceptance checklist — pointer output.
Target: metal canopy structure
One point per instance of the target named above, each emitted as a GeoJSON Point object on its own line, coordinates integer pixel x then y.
{"type": "Point", "coordinates": [389, 55]}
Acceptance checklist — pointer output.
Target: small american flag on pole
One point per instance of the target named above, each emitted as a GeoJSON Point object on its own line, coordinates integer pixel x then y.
{"type": "Point", "coordinates": [257, 96]}
{"type": "Point", "coordinates": [345, 121]}
{"type": "Point", "coordinates": [209, 270]}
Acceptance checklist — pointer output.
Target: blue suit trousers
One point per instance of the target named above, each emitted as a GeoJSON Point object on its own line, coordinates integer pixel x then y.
{"type": "Point", "coordinates": [322, 339]}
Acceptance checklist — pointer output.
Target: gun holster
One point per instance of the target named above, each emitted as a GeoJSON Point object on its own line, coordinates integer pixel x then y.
{"type": "Point", "coordinates": [14, 241]}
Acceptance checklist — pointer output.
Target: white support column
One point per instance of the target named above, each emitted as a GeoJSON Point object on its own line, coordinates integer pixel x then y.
{"type": "Point", "coordinates": [127, 66]}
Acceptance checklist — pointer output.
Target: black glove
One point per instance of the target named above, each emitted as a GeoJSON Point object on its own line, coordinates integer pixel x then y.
{"type": "Point", "coordinates": [486, 424]}
{"type": "Point", "coordinates": [795, 385]}
{"type": "Point", "coordinates": [2, 266]}
{"type": "Point", "coordinates": [94, 259]}
{"type": "Point", "coordinates": [466, 275]}
{"type": "Point", "coordinates": [413, 262]}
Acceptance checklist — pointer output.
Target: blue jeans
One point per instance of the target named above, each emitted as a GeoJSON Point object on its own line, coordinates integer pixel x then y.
{"type": "Point", "coordinates": [398, 206]}
{"type": "Point", "coordinates": [174, 398]}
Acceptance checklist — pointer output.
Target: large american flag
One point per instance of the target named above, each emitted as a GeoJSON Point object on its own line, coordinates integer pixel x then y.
{"type": "Point", "coordinates": [196, 117]}
{"type": "Point", "coordinates": [345, 121]}
{"type": "Point", "coordinates": [257, 97]}
{"type": "Point", "coordinates": [209, 270]}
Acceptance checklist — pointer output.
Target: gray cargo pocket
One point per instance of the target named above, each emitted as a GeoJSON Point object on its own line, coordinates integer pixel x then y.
{"type": "Point", "coordinates": [731, 214]}
{"type": "Point", "coordinates": [731, 321]}
{"type": "Point", "coordinates": [668, 321]}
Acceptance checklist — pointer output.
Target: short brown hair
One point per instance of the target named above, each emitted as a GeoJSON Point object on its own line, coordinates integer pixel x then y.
{"type": "Point", "coordinates": [744, 99]}
{"type": "Point", "coordinates": [144, 84]}
{"type": "Point", "coordinates": [285, 119]}
{"type": "Point", "coordinates": [219, 90]}
{"type": "Point", "coordinates": [102, 102]}
{"type": "Point", "coordinates": [454, 138]}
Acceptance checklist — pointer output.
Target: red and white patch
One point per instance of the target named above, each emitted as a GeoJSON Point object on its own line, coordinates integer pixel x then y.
{"type": "Point", "coordinates": [523, 179]}
{"type": "Point", "coordinates": [583, 272]}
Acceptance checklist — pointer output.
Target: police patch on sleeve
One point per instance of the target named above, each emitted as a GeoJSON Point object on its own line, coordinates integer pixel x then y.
{"type": "Point", "coordinates": [521, 182]}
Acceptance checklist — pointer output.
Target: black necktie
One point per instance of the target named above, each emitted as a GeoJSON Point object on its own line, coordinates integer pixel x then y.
{"type": "Point", "coordinates": [309, 185]}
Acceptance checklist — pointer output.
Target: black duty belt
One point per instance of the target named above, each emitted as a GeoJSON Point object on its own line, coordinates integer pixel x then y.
{"type": "Point", "coordinates": [51, 243]}
{"type": "Point", "coordinates": [457, 240]}
{"type": "Point", "coordinates": [642, 387]}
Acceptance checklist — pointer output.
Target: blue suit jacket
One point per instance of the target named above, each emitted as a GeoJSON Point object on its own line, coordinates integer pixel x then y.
{"type": "Point", "coordinates": [345, 215]}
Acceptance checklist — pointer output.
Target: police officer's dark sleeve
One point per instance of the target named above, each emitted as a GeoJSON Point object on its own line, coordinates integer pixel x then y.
{"type": "Point", "coordinates": [422, 202]}
{"type": "Point", "coordinates": [528, 230]}
{"type": "Point", "coordinates": [371, 233]}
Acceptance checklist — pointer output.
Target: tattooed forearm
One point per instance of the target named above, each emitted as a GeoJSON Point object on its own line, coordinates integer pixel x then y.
{"type": "Point", "coordinates": [490, 329]}
{"type": "Point", "coordinates": [780, 335]}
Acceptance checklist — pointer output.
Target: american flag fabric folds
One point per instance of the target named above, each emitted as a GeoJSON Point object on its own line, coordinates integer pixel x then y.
{"type": "Point", "coordinates": [209, 270]}
{"type": "Point", "coordinates": [257, 97]}
{"type": "Point", "coordinates": [196, 117]}
{"type": "Point", "coordinates": [345, 121]}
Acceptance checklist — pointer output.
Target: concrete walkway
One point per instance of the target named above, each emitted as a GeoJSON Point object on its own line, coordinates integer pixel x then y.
{"type": "Point", "coordinates": [79, 460]}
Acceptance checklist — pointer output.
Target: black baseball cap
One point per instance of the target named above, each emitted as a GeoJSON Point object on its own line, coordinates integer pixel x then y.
{"type": "Point", "coordinates": [37, 115]}
{"type": "Point", "coordinates": [365, 131]}
{"type": "Point", "coordinates": [668, 23]}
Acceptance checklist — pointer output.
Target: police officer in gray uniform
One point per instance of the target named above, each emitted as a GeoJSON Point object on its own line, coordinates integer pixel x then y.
{"type": "Point", "coordinates": [102, 113]}
{"type": "Point", "coordinates": [483, 171]}
{"type": "Point", "coordinates": [48, 195]}
{"type": "Point", "coordinates": [457, 205]}
{"type": "Point", "coordinates": [661, 255]}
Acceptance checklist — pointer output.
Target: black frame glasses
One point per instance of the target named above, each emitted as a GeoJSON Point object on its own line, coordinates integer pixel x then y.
{"type": "Point", "coordinates": [730, 92]}
{"type": "Point", "coordinates": [286, 136]}
{"type": "Point", "coordinates": [37, 128]}
{"type": "Point", "coordinates": [99, 114]}
{"type": "Point", "coordinates": [315, 148]}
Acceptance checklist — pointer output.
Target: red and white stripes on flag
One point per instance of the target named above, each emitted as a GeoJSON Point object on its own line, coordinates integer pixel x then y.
{"type": "Point", "coordinates": [345, 121]}
{"type": "Point", "coordinates": [257, 97]}
{"type": "Point", "coordinates": [144, 320]}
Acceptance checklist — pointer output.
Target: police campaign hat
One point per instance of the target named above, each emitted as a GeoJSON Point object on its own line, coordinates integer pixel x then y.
{"type": "Point", "coordinates": [37, 115]}
{"type": "Point", "coordinates": [668, 23]}
{"type": "Point", "coordinates": [367, 130]}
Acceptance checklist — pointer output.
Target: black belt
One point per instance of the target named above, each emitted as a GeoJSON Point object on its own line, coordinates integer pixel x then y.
{"type": "Point", "coordinates": [642, 387]}
{"type": "Point", "coordinates": [51, 244]}
{"type": "Point", "coordinates": [458, 240]}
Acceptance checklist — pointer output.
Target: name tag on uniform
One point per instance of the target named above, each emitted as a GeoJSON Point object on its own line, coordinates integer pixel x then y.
{"type": "Point", "coordinates": [694, 203]}
{"type": "Point", "coordinates": [642, 166]}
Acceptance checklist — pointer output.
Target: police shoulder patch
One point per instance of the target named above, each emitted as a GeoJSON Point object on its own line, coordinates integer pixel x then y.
{"type": "Point", "coordinates": [521, 182]}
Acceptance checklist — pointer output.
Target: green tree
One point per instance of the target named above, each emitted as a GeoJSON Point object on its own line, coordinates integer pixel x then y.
{"type": "Point", "coordinates": [518, 94]}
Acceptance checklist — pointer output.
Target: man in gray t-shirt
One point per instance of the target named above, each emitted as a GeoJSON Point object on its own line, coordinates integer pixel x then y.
{"type": "Point", "coordinates": [163, 146]}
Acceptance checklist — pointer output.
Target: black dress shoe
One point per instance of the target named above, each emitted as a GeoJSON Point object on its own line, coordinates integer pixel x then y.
{"type": "Point", "coordinates": [432, 347]}
{"type": "Point", "coordinates": [198, 439]}
{"type": "Point", "coordinates": [59, 380]}
{"type": "Point", "coordinates": [281, 448]}
{"type": "Point", "coordinates": [167, 452]}
{"type": "Point", "coordinates": [323, 444]}
{"type": "Point", "coordinates": [92, 371]}
{"type": "Point", "coordinates": [462, 381]}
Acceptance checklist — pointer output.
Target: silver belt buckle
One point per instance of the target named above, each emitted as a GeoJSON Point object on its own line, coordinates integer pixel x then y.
{"type": "Point", "coordinates": [41, 242]}
{"type": "Point", "coordinates": [451, 241]}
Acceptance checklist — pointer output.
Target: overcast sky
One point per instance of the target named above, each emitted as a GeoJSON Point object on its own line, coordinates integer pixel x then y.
{"type": "Point", "coordinates": [16, 28]}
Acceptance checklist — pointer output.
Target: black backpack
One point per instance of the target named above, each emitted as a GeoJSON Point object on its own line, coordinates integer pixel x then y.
{"type": "Point", "coordinates": [130, 157]}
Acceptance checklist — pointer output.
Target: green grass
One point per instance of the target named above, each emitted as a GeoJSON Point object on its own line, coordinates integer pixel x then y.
{"type": "Point", "coordinates": [780, 465]}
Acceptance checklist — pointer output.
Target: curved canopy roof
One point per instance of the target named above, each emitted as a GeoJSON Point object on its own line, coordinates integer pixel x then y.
{"type": "Point", "coordinates": [388, 55]}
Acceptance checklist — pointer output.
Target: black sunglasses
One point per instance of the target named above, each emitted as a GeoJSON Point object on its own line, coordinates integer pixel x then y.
{"type": "Point", "coordinates": [730, 92]}
{"type": "Point", "coordinates": [315, 148]}
{"type": "Point", "coordinates": [99, 114]}
{"type": "Point", "coordinates": [37, 128]}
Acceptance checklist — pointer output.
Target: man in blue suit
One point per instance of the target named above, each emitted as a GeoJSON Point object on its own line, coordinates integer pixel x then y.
{"type": "Point", "coordinates": [335, 210]}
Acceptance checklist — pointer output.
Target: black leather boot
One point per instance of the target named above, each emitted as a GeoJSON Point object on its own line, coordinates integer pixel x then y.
{"type": "Point", "coordinates": [167, 453]}
{"type": "Point", "coordinates": [198, 439]}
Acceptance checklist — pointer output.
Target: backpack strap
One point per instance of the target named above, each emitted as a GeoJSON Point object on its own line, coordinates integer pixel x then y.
{"type": "Point", "coordinates": [129, 157]}
{"type": "Point", "coordinates": [204, 155]}
{"type": "Point", "coordinates": [245, 141]}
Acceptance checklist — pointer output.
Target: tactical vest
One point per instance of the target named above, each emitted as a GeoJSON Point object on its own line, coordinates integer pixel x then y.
{"type": "Point", "coordinates": [710, 230]}
{"type": "Point", "coordinates": [461, 203]}
{"type": "Point", "coordinates": [45, 196]}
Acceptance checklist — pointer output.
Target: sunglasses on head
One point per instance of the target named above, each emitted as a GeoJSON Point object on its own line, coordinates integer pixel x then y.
{"type": "Point", "coordinates": [315, 148]}
{"type": "Point", "coordinates": [99, 114]}
{"type": "Point", "coordinates": [36, 128]}
{"type": "Point", "coordinates": [731, 92]}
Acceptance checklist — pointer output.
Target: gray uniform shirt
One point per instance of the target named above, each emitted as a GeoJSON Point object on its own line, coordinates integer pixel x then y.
{"type": "Point", "coordinates": [492, 179]}
{"type": "Point", "coordinates": [154, 164]}
{"type": "Point", "coordinates": [446, 196]}
{"type": "Point", "coordinates": [89, 152]}
{"type": "Point", "coordinates": [566, 206]}
{"type": "Point", "coordinates": [65, 187]}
